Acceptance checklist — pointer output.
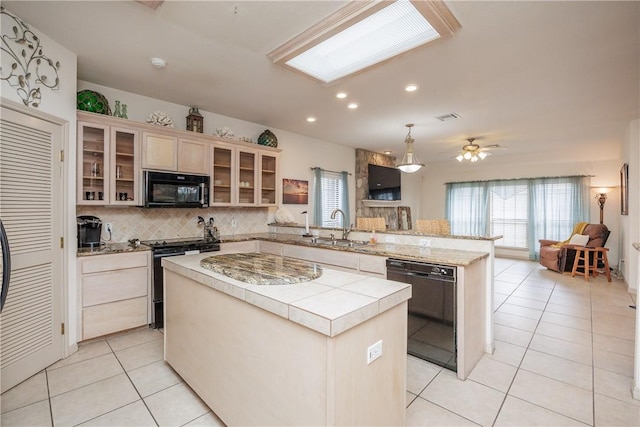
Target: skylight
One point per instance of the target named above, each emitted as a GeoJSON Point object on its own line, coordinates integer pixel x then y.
{"type": "Point", "coordinates": [366, 38]}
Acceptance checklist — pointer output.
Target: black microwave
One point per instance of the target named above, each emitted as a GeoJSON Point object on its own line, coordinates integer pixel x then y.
{"type": "Point", "coordinates": [175, 190]}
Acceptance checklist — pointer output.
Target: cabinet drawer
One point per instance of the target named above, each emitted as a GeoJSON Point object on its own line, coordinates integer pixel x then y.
{"type": "Point", "coordinates": [98, 263]}
{"type": "Point", "coordinates": [113, 286]}
{"type": "Point", "coordinates": [373, 264]}
{"type": "Point", "coordinates": [113, 317]}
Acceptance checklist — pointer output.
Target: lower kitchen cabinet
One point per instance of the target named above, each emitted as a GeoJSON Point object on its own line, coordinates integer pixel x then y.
{"type": "Point", "coordinates": [114, 293]}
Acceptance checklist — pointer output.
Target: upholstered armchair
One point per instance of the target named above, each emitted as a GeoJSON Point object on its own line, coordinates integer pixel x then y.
{"type": "Point", "coordinates": [561, 258]}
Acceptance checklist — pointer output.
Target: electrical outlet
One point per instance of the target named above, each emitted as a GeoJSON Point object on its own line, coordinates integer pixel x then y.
{"type": "Point", "coordinates": [234, 223]}
{"type": "Point", "coordinates": [374, 351]}
{"type": "Point", "coordinates": [425, 243]}
{"type": "Point", "coordinates": [390, 239]}
{"type": "Point", "coordinates": [109, 227]}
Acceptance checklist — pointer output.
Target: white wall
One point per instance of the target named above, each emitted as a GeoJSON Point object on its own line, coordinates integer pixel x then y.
{"type": "Point", "coordinates": [61, 104]}
{"type": "Point", "coordinates": [604, 166]}
{"type": "Point", "coordinates": [299, 153]}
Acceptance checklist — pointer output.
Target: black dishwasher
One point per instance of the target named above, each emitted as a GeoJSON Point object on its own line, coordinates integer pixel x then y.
{"type": "Point", "coordinates": [431, 326]}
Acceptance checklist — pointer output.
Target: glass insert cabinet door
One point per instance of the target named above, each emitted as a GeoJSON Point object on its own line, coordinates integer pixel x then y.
{"type": "Point", "coordinates": [123, 168]}
{"type": "Point", "coordinates": [93, 163]}
{"type": "Point", "coordinates": [222, 179]}
{"type": "Point", "coordinates": [268, 179]}
{"type": "Point", "coordinates": [246, 182]}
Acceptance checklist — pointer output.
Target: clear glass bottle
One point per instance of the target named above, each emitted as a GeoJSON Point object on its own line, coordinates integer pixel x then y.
{"type": "Point", "coordinates": [124, 111]}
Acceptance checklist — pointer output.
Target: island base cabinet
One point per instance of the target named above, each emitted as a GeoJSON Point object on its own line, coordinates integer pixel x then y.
{"type": "Point", "coordinates": [253, 367]}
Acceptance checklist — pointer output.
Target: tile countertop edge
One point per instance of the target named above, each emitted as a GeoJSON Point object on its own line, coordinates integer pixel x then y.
{"type": "Point", "coordinates": [456, 257]}
{"type": "Point", "coordinates": [313, 319]}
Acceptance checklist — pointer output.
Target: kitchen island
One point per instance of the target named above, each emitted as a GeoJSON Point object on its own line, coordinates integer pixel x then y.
{"type": "Point", "coordinates": [298, 354]}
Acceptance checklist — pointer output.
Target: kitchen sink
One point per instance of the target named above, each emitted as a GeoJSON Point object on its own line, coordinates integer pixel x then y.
{"type": "Point", "coordinates": [326, 241]}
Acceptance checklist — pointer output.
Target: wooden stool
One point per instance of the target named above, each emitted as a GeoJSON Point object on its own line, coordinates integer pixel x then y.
{"type": "Point", "coordinates": [600, 254]}
{"type": "Point", "coordinates": [582, 254]}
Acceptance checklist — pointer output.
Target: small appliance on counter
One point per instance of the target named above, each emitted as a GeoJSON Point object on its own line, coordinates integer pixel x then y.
{"type": "Point", "coordinates": [89, 231]}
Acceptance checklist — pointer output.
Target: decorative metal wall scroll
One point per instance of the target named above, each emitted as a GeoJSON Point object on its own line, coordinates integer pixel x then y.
{"type": "Point", "coordinates": [29, 67]}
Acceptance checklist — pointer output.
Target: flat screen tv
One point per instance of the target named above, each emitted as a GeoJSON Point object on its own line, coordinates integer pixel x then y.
{"type": "Point", "coordinates": [384, 183]}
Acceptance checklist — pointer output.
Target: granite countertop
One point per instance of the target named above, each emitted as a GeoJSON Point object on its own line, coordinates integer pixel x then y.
{"type": "Point", "coordinates": [111, 248]}
{"type": "Point", "coordinates": [330, 304]}
{"type": "Point", "coordinates": [262, 269]}
{"type": "Point", "coordinates": [455, 257]}
{"type": "Point", "coordinates": [393, 232]}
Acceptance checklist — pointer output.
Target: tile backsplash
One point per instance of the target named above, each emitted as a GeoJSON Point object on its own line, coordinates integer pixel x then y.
{"type": "Point", "coordinates": [170, 223]}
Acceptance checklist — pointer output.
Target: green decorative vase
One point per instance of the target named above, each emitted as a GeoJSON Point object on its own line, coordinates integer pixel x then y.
{"type": "Point", "coordinates": [268, 138]}
{"type": "Point", "coordinates": [94, 102]}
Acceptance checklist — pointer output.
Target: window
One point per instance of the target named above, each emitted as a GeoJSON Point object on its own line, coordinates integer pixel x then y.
{"type": "Point", "coordinates": [508, 214]}
{"type": "Point", "coordinates": [331, 192]}
{"type": "Point", "coordinates": [522, 211]}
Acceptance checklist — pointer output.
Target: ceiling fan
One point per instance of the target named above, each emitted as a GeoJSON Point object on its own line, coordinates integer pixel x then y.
{"type": "Point", "coordinates": [473, 152]}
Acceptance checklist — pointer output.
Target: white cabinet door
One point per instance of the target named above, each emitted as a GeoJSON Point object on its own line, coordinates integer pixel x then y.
{"type": "Point", "coordinates": [159, 152]}
{"type": "Point", "coordinates": [193, 157]}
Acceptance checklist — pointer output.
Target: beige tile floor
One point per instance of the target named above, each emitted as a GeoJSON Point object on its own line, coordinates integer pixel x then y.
{"type": "Point", "coordinates": [563, 356]}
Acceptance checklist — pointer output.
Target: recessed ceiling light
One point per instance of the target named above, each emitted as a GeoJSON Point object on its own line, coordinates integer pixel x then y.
{"type": "Point", "coordinates": [341, 95]}
{"type": "Point", "coordinates": [411, 87]}
{"type": "Point", "coordinates": [352, 106]}
{"type": "Point", "coordinates": [311, 119]}
{"type": "Point", "coordinates": [387, 152]}
{"type": "Point", "coordinates": [159, 63]}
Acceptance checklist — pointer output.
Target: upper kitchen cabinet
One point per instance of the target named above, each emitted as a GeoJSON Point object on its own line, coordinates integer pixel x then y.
{"type": "Point", "coordinates": [159, 151]}
{"type": "Point", "coordinates": [193, 157]}
{"type": "Point", "coordinates": [223, 175]}
{"type": "Point", "coordinates": [170, 153]}
{"type": "Point", "coordinates": [269, 189]}
{"type": "Point", "coordinates": [107, 169]}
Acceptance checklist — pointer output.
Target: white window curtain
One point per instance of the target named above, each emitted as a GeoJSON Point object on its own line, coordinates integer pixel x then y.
{"type": "Point", "coordinates": [331, 191]}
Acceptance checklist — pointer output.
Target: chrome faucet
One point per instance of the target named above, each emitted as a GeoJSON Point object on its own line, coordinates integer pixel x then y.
{"type": "Point", "coordinates": [345, 230]}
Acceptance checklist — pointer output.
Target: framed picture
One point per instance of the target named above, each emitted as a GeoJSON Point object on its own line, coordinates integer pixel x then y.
{"type": "Point", "coordinates": [404, 218]}
{"type": "Point", "coordinates": [624, 189]}
{"type": "Point", "coordinates": [295, 191]}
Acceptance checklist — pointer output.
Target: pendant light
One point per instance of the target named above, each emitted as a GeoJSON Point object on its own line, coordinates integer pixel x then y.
{"type": "Point", "coordinates": [410, 162]}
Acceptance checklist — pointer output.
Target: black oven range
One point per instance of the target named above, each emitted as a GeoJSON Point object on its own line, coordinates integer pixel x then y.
{"type": "Point", "coordinates": [171, 247]}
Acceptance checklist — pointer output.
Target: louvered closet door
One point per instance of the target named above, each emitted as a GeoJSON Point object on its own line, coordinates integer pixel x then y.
{"type": "Point", "coordinates": [30, 208]}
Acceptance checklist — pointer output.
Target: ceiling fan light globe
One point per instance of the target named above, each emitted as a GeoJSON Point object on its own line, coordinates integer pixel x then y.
{"type": "Point", "coordinates": [474, 159]}
{"type": "Point", "coordinates": [467, 155]}
{"type": "Point", "coordinates": [482, 155]}
{"type": "Point", "coordinates": [460, 158]}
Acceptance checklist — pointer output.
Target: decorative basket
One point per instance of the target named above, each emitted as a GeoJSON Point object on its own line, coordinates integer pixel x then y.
{"type": "Point", "coordinates": [92, 101]}
{"type": "Point", "coordinates": [268, 138]}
